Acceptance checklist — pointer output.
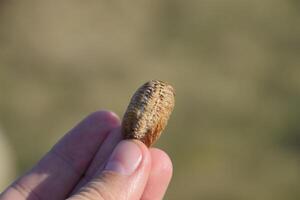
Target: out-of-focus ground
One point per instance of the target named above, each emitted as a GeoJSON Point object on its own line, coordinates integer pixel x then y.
{"type": "Point", "coordinates": [234, 134]}
{"type": "Point", "coordinates": [7, 160]}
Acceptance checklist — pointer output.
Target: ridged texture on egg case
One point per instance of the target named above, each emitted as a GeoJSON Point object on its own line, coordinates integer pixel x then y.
{"type": "Point", "coordinates": [148, 112]}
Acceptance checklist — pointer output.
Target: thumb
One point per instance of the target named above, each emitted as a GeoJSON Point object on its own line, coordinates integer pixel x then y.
{"type": "Point", "coordinates": [124, 176]}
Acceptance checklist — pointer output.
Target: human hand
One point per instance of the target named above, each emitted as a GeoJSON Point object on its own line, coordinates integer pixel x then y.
{"type": "Point", "coordinates": [91, 162]}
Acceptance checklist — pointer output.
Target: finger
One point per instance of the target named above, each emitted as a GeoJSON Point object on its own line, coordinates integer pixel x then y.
{"type": "Point", "coordinates": [160, 175]}
{"type": "Point", "coordinates": [101, 157]}
{"type": "Point", "coordinates": [58, 172]}
{"type": "Point", "coordinates": [124, 177]}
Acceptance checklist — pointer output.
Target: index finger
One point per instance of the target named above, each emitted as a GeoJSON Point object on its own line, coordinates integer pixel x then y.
{"type": "Point", "coordinates": [62, 167]}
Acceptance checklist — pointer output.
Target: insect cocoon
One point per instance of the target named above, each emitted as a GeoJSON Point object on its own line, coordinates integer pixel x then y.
{"type": "Point", "coordinates": [148, 112]}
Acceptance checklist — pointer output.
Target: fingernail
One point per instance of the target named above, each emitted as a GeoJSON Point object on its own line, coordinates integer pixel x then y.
{"type": "Point", "coordinates": [125, 158]}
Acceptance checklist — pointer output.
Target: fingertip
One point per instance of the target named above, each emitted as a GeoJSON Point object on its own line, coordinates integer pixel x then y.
{"type": "Point", "coordinates": [128, 157]}
{"type": "Point", "coordinates": [161, 162]}
{"type": "Point", "coordinates": [145, 151]}
{"type": "Point", "coordinates": [124, 176]}
{"type": "Point", "coordinates": [143, 147]}
{"type": "Point", "coordinates": [160, 175]}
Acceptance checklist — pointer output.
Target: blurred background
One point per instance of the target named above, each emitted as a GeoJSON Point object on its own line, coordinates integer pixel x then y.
{"type": "Point", "coordinates": [235, 64]}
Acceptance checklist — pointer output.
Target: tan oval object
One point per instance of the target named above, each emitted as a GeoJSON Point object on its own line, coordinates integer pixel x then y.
{"type": "Point", "coordinates": [148, 112]}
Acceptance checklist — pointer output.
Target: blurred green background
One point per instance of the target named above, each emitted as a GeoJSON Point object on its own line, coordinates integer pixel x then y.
{"type": "Point", "coordinates": [235, 64]}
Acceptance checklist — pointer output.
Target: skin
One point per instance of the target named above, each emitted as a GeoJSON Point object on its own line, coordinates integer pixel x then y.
{"type": "Point", "coordinates": [76, 167]}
